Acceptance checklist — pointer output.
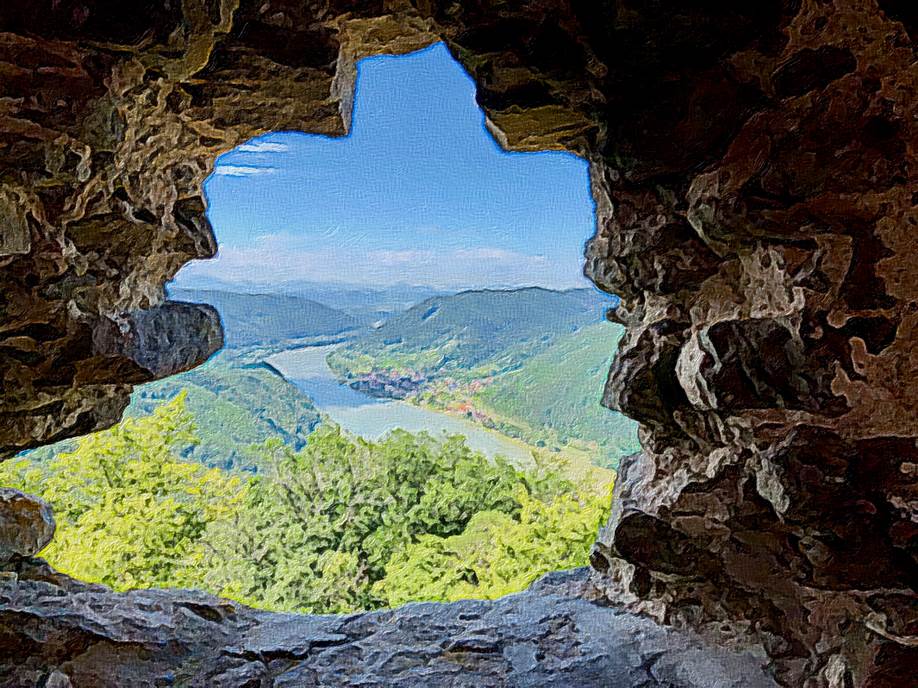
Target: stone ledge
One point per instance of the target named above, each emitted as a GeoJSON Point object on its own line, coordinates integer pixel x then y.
{"type": "Point", "coordinates": [55, 631]}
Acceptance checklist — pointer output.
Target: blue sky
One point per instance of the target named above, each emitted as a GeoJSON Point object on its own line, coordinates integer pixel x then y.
{"type": "Point", "coordinates": [417, 193]}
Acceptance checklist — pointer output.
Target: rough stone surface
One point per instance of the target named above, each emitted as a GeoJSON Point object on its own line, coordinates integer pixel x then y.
{"type": "Point", "coordinates": [57, 632]}
{"type": "Point", "coordinates": [753, 170]}
{"type": "Point", "coordinates": [26, 525]}
{"type": "Point", "coordinates": [772, 358]}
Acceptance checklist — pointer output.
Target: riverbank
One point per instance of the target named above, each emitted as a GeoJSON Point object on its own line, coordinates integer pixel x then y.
{"type": "Point", "coordinates": [372, 417]}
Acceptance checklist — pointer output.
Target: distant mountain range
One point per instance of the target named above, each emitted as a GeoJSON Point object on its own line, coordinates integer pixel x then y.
{"type": "Point", "coordinates": [365, 302]}
{"type": "Point", "coordinates": [250, 319]}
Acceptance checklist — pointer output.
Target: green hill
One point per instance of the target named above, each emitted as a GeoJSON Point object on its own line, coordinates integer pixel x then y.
{"type": "Point", "coordinates": [250, 319]}
{"type": "Point", "coordinates": [559, 390]}
{"type": "Point", "coordinates": [530, 363]}
{"type": "Point", "coordinates": [454, 334]}
{"type": "Point", "coordinates": [234, 407]}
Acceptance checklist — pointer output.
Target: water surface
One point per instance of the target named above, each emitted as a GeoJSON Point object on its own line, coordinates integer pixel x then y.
{"type": "Point", "coordinates": [371, 418]}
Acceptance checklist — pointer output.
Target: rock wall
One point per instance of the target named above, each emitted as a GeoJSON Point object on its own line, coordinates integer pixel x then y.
{"type": "Point", "coordinates": [771, 356]}
{"type": "Point", "coordinates": [753, 173]}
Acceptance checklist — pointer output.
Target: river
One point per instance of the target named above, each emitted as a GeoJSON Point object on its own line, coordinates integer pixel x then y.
{"type": "Point", "coordinates": [371, 418]}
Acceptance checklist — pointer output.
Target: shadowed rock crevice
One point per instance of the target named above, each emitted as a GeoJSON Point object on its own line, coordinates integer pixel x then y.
{"type": "Point", "coordinates": [753, 171]}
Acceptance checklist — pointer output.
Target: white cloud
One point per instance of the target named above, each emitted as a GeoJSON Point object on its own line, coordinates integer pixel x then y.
{"type": "Point", "coordinates": [279, 258]}
{"type": "Point", "coordinates": [400, 257]}
{"type": "Point", "coordinates": [241, 170]}
{"type": "Point", "coordinates": [497, 254]}
{"type": "Point", "coordinates": [262, 147]}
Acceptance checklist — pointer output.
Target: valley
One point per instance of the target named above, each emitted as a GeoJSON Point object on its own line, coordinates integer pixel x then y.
{"type": "Point", "coordinates": [288, 472]}
{"type": "Point", "coordinates": [528, 363]}
{"type": "Point", "coordinates": [513, 371]}
{"type": "Point", "coordinates": [372, 417]}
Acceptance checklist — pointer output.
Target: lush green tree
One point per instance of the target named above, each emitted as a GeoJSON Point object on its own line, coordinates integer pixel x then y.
{"type": "Point", "coordinates": [341, 525]}
{"type": "Point", "coordinates": [318, 528]}
{"type": "Point", "coordinates": [237, 404]}
{"type": "Point", "coordinates": [496, 554]}
{"type": "Point", "coordinates": [129, 512]}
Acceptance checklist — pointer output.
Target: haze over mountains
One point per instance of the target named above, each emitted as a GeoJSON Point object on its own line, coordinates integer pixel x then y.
{"type": "Point", "coordinates": [368, 302]}
{"type": "Point", "coordinates": [263, 318]}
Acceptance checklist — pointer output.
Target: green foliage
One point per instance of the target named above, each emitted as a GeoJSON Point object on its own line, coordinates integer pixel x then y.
{"type": "Point", "coordinates": [559, 390]}
{"type": "Point", "coordinates": [496, 555]}
{"type": "Point", "coordinates": [341, 525]}
{"type": "Point", "coordinates": [129, 512]}
{"type": "Point", "coordinates": [316, 533]}
{"type": "Point", "coordinates": [236, 408]}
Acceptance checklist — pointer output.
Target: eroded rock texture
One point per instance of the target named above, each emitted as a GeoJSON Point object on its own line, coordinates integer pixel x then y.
{"type": "Point", "coordinates": [752, 165]}
{"type": "Point", "coordinates": [770, 289]}
{"type": "Point", "coordinates": [26, 525]}
{"type": "Point", "coordinates": [61, 633]}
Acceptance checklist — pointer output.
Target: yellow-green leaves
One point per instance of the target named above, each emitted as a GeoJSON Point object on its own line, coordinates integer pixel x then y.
{"type": "Point", "coordinates": [342, 525]}
{"type": "Point", "coordinates": [130, 513]}
{"type": "Point", "coordinates": [496, 554]}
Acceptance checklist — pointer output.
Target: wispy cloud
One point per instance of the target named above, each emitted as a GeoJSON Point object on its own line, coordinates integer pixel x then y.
{"type": "Point", "coordinates": [278, 258]}
{"type": "Point", "coordinates": [394, 258]}
{"type": "Point", "coordinates": [263, 147]}
{"type": "Point", "coordinates": [497, 254]}
{"type": "Point", "coordinates": [241, 170]}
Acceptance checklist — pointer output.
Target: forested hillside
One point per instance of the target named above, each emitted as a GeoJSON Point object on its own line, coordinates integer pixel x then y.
{"type": "Point", "coordinates": [554, 396]}
{"type": "Point", "coordinates": [455, 334]}
{"type": "Point", "coordinates": [236, 407]}
{"type": "Point", "coordinates": [530, 363]}
{"type": "Point", "coordinates": [269, 318]}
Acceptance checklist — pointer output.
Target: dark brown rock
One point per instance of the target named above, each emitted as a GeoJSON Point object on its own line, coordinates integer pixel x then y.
{"type": "Point", "coordinates": [26, 525]}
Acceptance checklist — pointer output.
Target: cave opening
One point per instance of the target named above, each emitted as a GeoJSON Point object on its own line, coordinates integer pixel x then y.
{"type": "Point", "coordinates": [752, 169]}
{"type": "Point", "coordinates": [406, 319]}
